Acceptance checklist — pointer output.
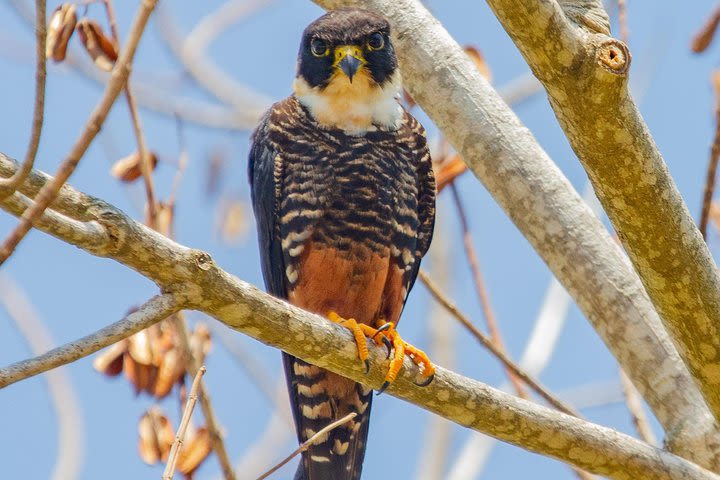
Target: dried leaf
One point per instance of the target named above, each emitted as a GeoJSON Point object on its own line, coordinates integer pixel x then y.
{"type": "Point", "coordinates": [110, 362]}
{"type": "Point", "coordinates": [200, 342]}
{"type": "Point", "coordinates": [60, 28]}
{"type": "Point", "coordinates": [233, 221]}
{"type": "Point", "coordinates": [100, 48]}
{"type": "Point", "coordinates": [164, 219]}
{"type": "Point", "coordinates": [196, 449]}
{"type": "Point", "coordinates": [448, 171]}
{"type": "Point", "coordinates": [128, 169]}
{"type": "Point", "coordinates": [139, 348]}
{"type": "Point", "coordinates": [704, 37]}
{"type": "Point", "coordinates": [169, 372]}
{"type": "Point", "coordinates": [479, 61]}
{"type": "Point", "coordinates": [156, 436]}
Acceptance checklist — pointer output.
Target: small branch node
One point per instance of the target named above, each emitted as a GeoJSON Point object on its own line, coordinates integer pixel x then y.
{"type": "Point", "coordinates": [203, 260]}
{"type": "Point", "coordinates": [614, 56]}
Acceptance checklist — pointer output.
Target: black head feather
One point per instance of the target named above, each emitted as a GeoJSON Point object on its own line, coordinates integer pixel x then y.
{"type": "Point", "coordinates": [346, 27]}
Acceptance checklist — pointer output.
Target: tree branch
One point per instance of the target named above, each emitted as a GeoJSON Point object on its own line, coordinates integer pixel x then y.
{"type": "Point", "coordinates": [585, 75]}
{"type": "Point", "coordinates": [191, 279]}
{"type": "Point", "coordinates": [154, 310]}
{"type": "Point", "coordinates": [506, 158]}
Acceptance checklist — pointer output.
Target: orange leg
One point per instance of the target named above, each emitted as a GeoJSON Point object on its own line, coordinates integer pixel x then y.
{"type": "Point", "coordinates": [359, 331]}
{"type": "Point", "coordinates": [401, 348]}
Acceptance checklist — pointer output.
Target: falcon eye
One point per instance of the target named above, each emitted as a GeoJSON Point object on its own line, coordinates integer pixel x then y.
{"type": "Point", "coordinates": [376, 41]}
{"type": "Point", "coordinates": [319, 48]}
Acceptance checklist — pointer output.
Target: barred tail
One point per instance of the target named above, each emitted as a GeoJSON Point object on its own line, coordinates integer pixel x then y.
{"type": "Point", "coordinates": [317, 398]}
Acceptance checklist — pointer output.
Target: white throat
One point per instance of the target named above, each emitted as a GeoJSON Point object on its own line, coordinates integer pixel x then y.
{"type": "Point", "coordinates": [356, 107]}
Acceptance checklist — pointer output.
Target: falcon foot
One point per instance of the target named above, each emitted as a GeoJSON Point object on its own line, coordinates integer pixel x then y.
{"type": "Point", "coordinates": [359, 331]}
{"type": "Point", "coordinates": [387, 334]}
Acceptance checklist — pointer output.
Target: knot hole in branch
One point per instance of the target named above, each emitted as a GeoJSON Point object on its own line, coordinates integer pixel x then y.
{"type": "Point", "coordinates": [203, 260]}
{"type": "Point", "coordinates": [614, 56]}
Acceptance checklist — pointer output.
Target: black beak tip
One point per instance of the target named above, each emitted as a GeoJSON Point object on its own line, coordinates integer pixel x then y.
{"type": "Point", "coordinates": [350, 65]}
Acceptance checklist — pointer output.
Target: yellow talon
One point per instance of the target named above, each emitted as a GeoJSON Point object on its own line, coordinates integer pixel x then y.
{"type": "Point", "coordinates": [359, 331]}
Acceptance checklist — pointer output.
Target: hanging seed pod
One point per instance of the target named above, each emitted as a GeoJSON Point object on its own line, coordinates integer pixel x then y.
{"type": "Point", "coordinates": [127, 169]}
{"type": "Point", "coordinates": [97, 44]}
{"type": "Point", "coordinates": [60, 28]}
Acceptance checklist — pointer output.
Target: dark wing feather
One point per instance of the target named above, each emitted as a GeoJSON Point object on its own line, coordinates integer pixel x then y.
{"type": "Point", "coordinates": [264, 170]}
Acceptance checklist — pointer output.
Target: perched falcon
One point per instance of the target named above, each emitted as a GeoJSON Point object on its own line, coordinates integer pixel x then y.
{"type": "Point", "coordinates": [344, 198]}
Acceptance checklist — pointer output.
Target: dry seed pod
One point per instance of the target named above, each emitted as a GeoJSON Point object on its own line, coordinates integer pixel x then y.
{"type": "Point", "coordinates": [200, 342]}
{"type": "Point", "coordinates": [156, 436]}
{"type": "Point", "coordinates": [169, 372]}
{"type": "Point", "coordinates": [110, 362]}
{"type": "Point", "coordinates": [448, 171]}
{"type": "Point", "coordinates": [703, 38]}
{"type": "Point", "coordinates": [99, 47]}
{"type": "Point", "coordinates": [60, 28]}
{"type": "Point", "coordinates": [196, 449]}
{"type": "Point", "coordinates": [127, 169]}
{"type": "Point", "coordinates": [479, 61]}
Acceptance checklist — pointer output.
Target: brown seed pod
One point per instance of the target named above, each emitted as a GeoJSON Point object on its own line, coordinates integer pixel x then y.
{"type": "Point", "coordinates": [156, 436]}
{"type": "Point", "coordinates": [127, 169]}
{"type": "Point", "coordinates": [196, 448]}
{"type": "Point", "coordinates": [704, 37]}
{"type": "Point", "coordinates": [100, 48]}
{"type": "Point", "coordinates": [60, 28]}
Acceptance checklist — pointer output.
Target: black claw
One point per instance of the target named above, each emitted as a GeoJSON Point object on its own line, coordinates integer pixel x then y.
{"type": "Point", "coordinates": [427, 382]}
{"type": "Point", "coordinates": [386, 326]}
{"type": "Point", "coordinates": [388, 345]}
{"type": "Point", "coordinates": [384, 386]}
{"type": "Point", "coordinates": [367, 366]}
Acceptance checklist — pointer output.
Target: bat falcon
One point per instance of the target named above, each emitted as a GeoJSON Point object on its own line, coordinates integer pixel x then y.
{"type": "Point", "coordinates": [344, 198]}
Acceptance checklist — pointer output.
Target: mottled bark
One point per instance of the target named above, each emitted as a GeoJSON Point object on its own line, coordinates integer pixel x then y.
{"type": "Point", "coordinates": [506, 158]}
{"type": "Point", "coordinates": [585, 74]}
{"type": "Point", "coordinates": [190, 279]}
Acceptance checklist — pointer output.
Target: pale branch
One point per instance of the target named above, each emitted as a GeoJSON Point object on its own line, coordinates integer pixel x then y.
{"type": "Point", "coordinates": [154, 310]}
{"type": "Point", "coordinates": [8, 185]}
{"type": "Point", "coordinates": [118, 80]}
{"type": "Point", "coordinates": [586, 77]}
{"type": "Point", "coordinates": [635, 407]}
{"type": "Point", "coordinates": [541, 202]}
{"type": "Point", "coordinates": [182, 428]}
{"type": "Point", "coordinates": [191, 279]}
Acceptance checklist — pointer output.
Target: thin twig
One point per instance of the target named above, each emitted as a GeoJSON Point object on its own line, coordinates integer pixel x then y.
{"type": "Point", "coordinates": [9, 185]}
{"type": "Point", "coordinates": [184, 422]}
{"type": "Point", "coordinates": [490, 345]}
{"type": "Point", "coordinates": [182, 162]}
{"type": "Point", "coordinates": [118, 79]}
{"type": "Point", "coordinates": [211, 421]}
{"type": "Point", "coordinates": [70, 431]}
{"type": "Point", "coordinates": [151, 312]}
{"type": "Point", "coordinates": [492, 325]}
{"type": "Point", "coordinates": [308, 443]}
{"type": "Point", "coordinates": [634, 405]}
{"type": "Point", "coordinates": [711, 174]}
{"type": "Point", "coordinates": [145, 166]}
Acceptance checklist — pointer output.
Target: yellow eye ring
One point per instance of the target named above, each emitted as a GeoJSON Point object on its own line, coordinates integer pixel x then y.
{"type": "Point", "coordinates": [319, 48]}
{"type": "Point", "coordinates": [376, 41]}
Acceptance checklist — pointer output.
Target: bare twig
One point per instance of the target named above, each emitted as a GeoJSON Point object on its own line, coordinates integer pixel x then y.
{"type": "Point", "coordinates": [118, 79]}
{"type": "Point", "coordinates": [184, 422]}
{"type": "Point", "coordinates": [490, 345]}
{"type": "Point", "coordinates": [482, 294]}
{"type": "Point", "coordinates": [710, 177]}
{"type": "Point", "coordinates": [634, 405]}
{"type": "Point", "coordinates": [154, 310]}
{"type": "Point", "coordinates": [308, 443]}
{"type": "Point", "coordinates": [71, 442]}
{"type": "Point", "coordinates": [8, 185]}
{"type": "Point", "coordinates": [211, 421]}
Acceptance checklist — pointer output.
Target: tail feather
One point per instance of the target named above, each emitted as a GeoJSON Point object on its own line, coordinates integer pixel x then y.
{"type": "Point", "coordinates": [317, 398]}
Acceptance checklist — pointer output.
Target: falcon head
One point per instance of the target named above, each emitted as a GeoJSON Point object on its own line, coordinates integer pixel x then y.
{"type": "Point", "coordinates": [347, 72]}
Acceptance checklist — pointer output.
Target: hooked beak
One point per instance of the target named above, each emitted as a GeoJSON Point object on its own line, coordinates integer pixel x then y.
{"type": "Point", "coordinates": [349, 59]}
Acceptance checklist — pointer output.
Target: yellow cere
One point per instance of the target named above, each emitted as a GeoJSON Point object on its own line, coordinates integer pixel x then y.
{"type": "Point", "coordinates": [344, 50]}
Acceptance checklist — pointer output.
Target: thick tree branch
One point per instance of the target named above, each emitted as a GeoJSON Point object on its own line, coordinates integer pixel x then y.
{"type": "Point", "coordinates": [503, 154]}
{"type": "Point", "coordinates": [198, 283]}
{"type": "Point", "coordinates": [154, 310]}
{"type": "Point", "coordinates": [585, 75]}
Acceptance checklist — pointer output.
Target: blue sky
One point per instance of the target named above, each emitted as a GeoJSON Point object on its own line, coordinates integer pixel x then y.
{"type": "Point", "coordinates": [75, 293]}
